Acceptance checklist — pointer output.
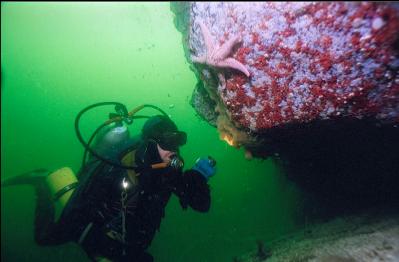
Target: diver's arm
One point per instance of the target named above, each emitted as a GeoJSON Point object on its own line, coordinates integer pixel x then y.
{"type": "Point", "coordinates": [193, 190]}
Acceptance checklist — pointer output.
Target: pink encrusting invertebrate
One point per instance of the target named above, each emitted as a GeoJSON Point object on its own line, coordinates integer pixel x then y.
{"type": "Point", "coordinates": [296, 62]}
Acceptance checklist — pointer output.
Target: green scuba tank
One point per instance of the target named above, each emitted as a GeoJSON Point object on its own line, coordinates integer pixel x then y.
{"type": "Point", "coordinates": [111, 139]}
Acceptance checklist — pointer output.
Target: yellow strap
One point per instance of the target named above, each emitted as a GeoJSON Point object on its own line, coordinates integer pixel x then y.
{"type": "Point", "coordinates": [129, 160]}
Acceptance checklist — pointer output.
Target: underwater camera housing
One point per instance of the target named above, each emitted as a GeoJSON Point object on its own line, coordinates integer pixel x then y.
{"type": "Point", "coordinates": [212, 161]}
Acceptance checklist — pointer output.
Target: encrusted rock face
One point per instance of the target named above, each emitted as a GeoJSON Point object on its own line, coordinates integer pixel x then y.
{"type": "Point", "coordinates": [268, 64]}
{"type": "Point", "coordinates": [204, 105]}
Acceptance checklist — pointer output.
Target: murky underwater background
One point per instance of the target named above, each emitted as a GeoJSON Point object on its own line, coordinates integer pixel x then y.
{"type": "Point", "coordinates": [56, 59]}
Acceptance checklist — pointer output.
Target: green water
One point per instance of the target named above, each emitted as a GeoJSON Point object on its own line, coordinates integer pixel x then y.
{"type": "Point", "coordinates": [57, 58]}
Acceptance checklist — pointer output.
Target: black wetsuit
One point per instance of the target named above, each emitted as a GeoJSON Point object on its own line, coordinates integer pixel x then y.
{"type": "Point", "coordinates": [94, 210]}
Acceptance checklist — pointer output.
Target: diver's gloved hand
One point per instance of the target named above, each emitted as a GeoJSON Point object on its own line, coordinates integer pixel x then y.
{"type": "Point", "coordinates": [205, 166]}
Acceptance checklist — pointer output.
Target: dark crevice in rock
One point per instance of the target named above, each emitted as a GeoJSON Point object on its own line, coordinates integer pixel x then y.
{"type": "Point", "coordinates": [346, 165]}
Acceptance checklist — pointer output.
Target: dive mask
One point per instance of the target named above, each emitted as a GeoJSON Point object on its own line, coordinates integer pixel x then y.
{"type": "Point", "coordinates": [171, 141]}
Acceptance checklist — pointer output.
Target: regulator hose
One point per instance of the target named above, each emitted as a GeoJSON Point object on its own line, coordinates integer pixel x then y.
{"type": "Point", "coordinates": [123, 115]}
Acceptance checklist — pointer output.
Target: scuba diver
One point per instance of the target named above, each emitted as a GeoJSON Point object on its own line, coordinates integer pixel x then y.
{"type": "Point", "coordinates": [115, 205]}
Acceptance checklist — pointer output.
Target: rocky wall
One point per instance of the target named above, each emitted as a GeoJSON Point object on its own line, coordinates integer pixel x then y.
{"type": "Point", "coordinates": [273, 65]}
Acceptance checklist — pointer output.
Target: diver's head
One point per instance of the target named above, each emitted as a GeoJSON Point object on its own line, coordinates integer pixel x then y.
{"type": "Point", "coordinates": [163, 131]}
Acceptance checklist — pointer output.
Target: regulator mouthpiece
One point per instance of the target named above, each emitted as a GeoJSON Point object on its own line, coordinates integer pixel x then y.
{"type": "Point", "coordinates": [176, 162]}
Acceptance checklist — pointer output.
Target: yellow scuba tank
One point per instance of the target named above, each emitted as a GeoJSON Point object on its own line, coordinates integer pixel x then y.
{"type": "Point", "coordinates": [61, 184]}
